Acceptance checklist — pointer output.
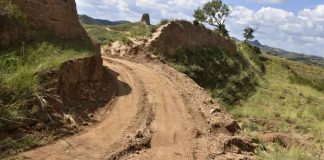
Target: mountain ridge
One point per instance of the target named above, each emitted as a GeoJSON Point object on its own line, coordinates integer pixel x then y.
{"type": "Point", "coordinates": [85, 19]}
{"type": "Point", "coordinates": [299, 57]}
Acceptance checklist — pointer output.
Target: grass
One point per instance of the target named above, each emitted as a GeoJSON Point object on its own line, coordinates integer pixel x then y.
{"type": "Point", "coordinates": [307, 59]}
{"type": "Point", "coordinates": [137, 29]}
{"type": "Point", "coordinates": [277, 152]}
{"type": "Point", "coordinates": [102, 36]}
{"type": "Point", "coordinates": [265, 93]}
{"type": "Point", "coordinates": [20, 71]}
{"type": "Point", "coordinates": [11, 12]}
{"type": "Point", "coordinates": [306, 74]}
{"type": "Point", "coordinates": [285, 106]}
{"type": "Point", "coordinates": [122, 32]}
{"type": "Point", "coordinates": [21, 87]}
{"type": "Point", "coordinates": [229, 77]}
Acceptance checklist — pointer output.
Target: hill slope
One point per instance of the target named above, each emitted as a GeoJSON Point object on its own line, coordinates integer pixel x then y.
{"type": "Point", "coordinates": [279, 102]}
{"type": "Point", "coordinates": [84, 19]}
{"type": "Point", "coordinates": [122, 32]}
{"type": "Point", "coordinates": [308, 59]}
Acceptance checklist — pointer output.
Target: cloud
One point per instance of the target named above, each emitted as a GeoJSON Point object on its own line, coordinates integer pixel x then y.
{"type": "Point", "coordinates": [133, 9]}
{"type": "Point", "coordinates": [301, 31]}
{"type": "Point", "coordinates": [268, 1]}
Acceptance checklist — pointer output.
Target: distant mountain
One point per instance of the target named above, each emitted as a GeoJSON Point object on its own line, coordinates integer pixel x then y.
{"type": "Point", "coordinates": [84, 19]}
{"type": "Point", "coordinates": [309, 59]}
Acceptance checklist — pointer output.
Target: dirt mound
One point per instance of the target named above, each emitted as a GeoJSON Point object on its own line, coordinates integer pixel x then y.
{"type": "Point", "coordinates": [170, 38]}
{"type": "Point", "coordinates": [185, 35]}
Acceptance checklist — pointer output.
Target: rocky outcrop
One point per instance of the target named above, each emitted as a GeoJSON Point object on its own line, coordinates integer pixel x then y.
{"type": "Point", "coordinates": [58, 16]}
{"type": "Point", "coordinates": [146, 19]}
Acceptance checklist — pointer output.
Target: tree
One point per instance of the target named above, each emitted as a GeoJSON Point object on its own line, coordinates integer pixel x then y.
{"type": "Point", "coordinates": [215, 14]}
{"type": "Point", "coordinates": [249, 33]}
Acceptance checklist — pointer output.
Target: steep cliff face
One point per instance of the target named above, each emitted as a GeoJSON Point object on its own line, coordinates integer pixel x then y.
{"type": "Point", "coordinates": [55, 16]}
{"type": "Point", "coordinates": [58, 16]}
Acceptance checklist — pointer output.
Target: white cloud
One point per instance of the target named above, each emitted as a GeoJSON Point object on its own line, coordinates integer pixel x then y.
{"type": "Point", "coordinates": [268, 1]}
{"type": "Point", "coordinates": [316, 15]}
{"type": "Point", "coordinates": [301, 32]}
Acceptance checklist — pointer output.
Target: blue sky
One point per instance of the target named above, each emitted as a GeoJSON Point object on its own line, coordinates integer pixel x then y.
{"type": "Point", "coordinates": [293, 25]}
{"type": "Point", "coordinates": [288, 5]}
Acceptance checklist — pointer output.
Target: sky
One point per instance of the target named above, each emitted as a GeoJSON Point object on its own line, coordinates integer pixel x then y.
{"type": "Point", "coordinates": [293, 25]}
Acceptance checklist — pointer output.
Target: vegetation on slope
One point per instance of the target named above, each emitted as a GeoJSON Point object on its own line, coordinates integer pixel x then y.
{"type": "Point", "coordinates": [308, 59]}
{"type": "Point", "coordinates": [230, 77]}
{"type": "Point", "coordinates": [84, 19]}
{"type": "Point", "coordinates": [21, 90]}
{"type": "Point", "coordinates": [101, 35]}
{"type": "Point", "coordinates": [280, 105]}
{"type": "Point", "coordinates": [9, 12]}
{"type": "Point", "coordinates": [267, 95]}
{"type": "Point", "coordinates": [124, 32]}
{"type": "Point", "coordinates": [306, 75]}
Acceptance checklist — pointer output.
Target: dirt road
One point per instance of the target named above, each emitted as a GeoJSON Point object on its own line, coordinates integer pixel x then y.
{"type": "Point", "coordinates": [158, 114]}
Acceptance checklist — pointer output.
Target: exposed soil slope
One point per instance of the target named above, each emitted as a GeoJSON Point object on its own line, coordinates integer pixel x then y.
{"type": "Point", "coordinates": [159, 114]}
{"type": "Point", "coordinates": [172, 37]}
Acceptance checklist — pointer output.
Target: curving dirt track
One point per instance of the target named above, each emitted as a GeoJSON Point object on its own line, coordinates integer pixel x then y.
{"type": "Point", "coordinates": [159, 114]}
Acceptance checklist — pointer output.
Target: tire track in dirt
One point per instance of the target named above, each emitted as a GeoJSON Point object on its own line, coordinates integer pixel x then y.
{"type": "Point", "coordinates": [158, 114]}
{"type": "Point", "coordinates": [172, 128]}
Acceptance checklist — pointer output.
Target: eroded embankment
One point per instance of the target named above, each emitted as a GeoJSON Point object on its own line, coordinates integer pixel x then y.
{"type": "Point", "coordinates": [72, 97]}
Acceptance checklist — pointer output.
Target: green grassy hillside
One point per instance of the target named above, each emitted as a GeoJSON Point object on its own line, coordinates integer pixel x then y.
{"type": "Point", "coordinates": [84, 19]}
{"type": "Point", "coordinates": [283, 97]}
{"type": "Point", "coordinates": [282, 105]}
{"type": "Point", "coordinates": [123, 32]}
{"type": "Point", "coordinates": [308, 59]}
{"type": "Point", "coordinates": [229, 77]}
